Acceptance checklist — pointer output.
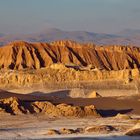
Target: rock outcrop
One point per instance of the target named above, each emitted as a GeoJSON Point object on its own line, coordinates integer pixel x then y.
{"type": "Point", "coordinates": [28, 64]}
{"type": "Point", "coordinates": [77, 93]}
{"type": "Point", "coordinates": [123, 116]}
{"type": "Point", "coordinates": [99, 129]}
{"type": "Point", "coordinates": [21, 55]}
{"type": "Point", "coordinates": [134, 131]}
{"type": "Point", "coordinates": [93, 94]}
{"type": "Point", "coordinates": [12, 105]}
{"type": "Point", "coordinates": [52, 132]}
{"type": "Point", "coordinates": [65, 131]}
{"type": "Point", "coordinates": [15, 106]}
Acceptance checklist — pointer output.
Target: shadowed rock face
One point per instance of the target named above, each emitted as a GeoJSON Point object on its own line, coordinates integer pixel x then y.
{"type": "Point", "coordinates": [20, 55]}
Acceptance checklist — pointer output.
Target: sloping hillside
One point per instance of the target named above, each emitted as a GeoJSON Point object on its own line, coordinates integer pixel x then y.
{"type": "Point", "coordinates": [125, 37]}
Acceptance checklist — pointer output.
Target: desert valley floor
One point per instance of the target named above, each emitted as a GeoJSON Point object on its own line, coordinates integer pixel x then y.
{"type": "Point", "coordinates": [39, 126]}
{"type": "Point", "coordinates": [67, 90]}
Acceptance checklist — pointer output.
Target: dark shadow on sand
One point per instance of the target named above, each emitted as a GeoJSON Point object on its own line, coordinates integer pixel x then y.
{"type": "Point", "coordinates": [57, 94]}
{"type": "Point", "coordinates": [113, 112]}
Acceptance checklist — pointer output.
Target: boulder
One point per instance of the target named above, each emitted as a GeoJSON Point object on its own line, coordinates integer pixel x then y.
{"type": "Point", "coordinates": [134, 131]}
{"type": "Point", "coordinates": [77, 93]}
{"type": "Point", "coordinates": [52, 132]}
{"type": "Point", "coordinates": [66, 131]}
{"type": "Point", "coordinates": [123, 116]}
{"type": "Point", "coordinates": [99, 129]}
{"type": "Point", "coordinates": [93, 94]}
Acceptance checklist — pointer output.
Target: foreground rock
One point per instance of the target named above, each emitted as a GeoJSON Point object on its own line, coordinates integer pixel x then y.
{"type": "Point", "coordinates": [123, 116]}
{"type": "Point", "coordinates": [94, 94]}
{"type": "Point", "coordinates": [135, 131]}
{"type": "Point", "coordinates": [2, 111]}
{"type": "Point", "coordinates": [12, 105]}
{"type": "Point", "coordinates": [52, 132]}
{"type": "Point", "coordinates": [81, 93]}
{"type": "Point", "coordinates": [99, 129]}
{"type": "Point", "coordinates": [77, 93]}
{"type": "Point", "coordinates": [15, 106]}
{"type": "Point", "coordinates": [65, 131]}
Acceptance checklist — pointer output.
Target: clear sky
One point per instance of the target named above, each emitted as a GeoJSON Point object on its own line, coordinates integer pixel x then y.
{"type": "Point", "coordinates": [108, 16]}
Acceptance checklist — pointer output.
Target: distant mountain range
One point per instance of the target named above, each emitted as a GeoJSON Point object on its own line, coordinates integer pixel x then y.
{"type": "Point", "coordinates": [126, 37]}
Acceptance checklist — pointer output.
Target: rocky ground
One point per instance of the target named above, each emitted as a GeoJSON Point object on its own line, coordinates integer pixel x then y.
{"type": "Point", "coordinates": [82, 118]}
{"type": "Point", "coordinates": [40, 126]}
{"type": "Point", "coordinates": [90, 92]}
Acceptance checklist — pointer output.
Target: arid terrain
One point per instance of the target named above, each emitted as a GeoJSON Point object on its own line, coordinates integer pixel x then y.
{"type": "Point", "coordinates": [69, 90]}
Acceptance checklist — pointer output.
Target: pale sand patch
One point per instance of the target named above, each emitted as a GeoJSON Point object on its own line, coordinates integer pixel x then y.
{"type": "Point", "coordinates": [77, 92]}
{"type": "Point", "coordinates": [36, 126]}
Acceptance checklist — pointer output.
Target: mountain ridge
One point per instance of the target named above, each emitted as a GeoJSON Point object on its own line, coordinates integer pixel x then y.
{"type": "Point", "coordinates": [53, 34]}
{"type": "Point", "coordinates": [22, 55]}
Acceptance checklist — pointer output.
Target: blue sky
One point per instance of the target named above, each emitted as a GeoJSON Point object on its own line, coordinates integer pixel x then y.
{"type": "Point", "coordinates": [108, 16]}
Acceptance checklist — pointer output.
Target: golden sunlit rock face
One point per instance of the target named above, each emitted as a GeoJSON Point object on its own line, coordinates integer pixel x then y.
{"type": "Point", "coordinates": [15, 106]}
{"type": "Point", "coordinates": [20, 55]}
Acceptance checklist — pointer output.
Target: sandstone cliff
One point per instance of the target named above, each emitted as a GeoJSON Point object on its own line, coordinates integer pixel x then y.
{"type": "Point", "coordinates": [66, 62]}
{"type": "Point", "coordinates": [21, 55]}
{"type": "Point", "coordinates": [63, 77]}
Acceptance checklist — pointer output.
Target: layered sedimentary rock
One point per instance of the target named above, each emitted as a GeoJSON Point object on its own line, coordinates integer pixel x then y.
{"type": "Point", "coordinates": [15, 106]}
{"type": "Point", "coordinates": [26, 64]}
{"type": "Point", "coordinates": [20, 55]}
{"type": "Point", "coordinates": [49, 76]}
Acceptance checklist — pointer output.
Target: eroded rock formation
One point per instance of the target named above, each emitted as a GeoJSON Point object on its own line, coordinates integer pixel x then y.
{"type": "Point", "coordinates": [15, 106]}
{"type": "Point", "coordinates": [20, 55]}
{"type": "Point", "coordinates": [70, 77]}
{"type": "Point", "coordinates": [26, 64]}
